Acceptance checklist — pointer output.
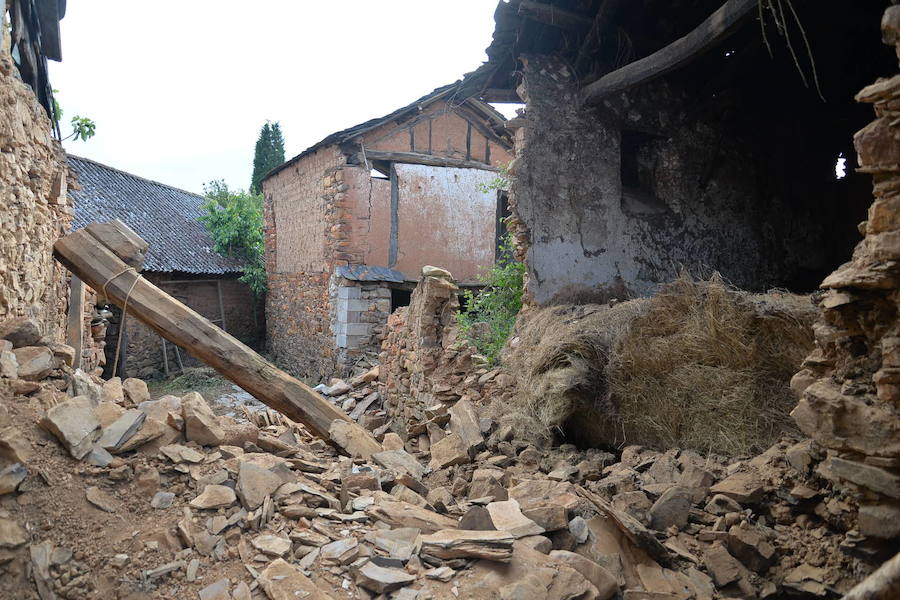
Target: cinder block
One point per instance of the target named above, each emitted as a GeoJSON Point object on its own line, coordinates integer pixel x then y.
{"type": "Point", "coordinates": [346, 291]}
{"type": "Point", "coordinates": [358, 329]}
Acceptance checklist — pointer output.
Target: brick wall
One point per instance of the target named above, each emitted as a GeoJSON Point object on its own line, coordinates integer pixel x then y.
{"type": "Point", "coordinates": [143, 355]}
{"type": "Point", "coordinates": [33, 206]}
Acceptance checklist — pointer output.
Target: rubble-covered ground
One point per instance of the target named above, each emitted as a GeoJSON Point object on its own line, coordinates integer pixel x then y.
{"type": "Point", "coordinates": [105, 493]}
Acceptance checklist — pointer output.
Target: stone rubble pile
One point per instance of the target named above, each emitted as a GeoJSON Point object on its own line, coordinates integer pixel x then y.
{"type": "Point", "coordinates": [453, 506]}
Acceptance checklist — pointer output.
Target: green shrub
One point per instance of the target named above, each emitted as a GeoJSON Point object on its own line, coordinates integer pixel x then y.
{"type": "Point", "coordinates": [490, 314]}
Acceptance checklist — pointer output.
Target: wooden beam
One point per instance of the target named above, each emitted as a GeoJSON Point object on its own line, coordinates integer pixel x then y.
{"type": "Point", "coordinates": [98, 266]}
{"type": "Point", "coordinates": [426, 159]}
{"type": "Point", "coordinates": [552, 15]}
{"type": "Point", "coordinates": [75, 320]}
{"type": "Point", "coordinates": [709, 33]}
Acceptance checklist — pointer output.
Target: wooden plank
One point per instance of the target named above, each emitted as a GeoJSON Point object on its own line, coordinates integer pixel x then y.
{"type": "Point", "coordinates": [552, 15]}
{"type": "Point", "coordinates": [165, 355]}
{"type": "Point", "coordinates": [426, 159]}
{"type": "Point", "coordinates": [123, 242]}
{"type": "Point", "coordinates": [221, 304]}
{"type": "Point", "coordinates": [97, 266]}
{"type": "Point", "coordinates": [75, 320]}
{"type": "Point", "coordinates": [709, 33]}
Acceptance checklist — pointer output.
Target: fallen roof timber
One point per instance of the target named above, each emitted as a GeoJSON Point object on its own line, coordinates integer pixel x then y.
{"type": "Point", "coordinates": [710, 32]}
{"type": "Point", "coordinates": [87, 254]}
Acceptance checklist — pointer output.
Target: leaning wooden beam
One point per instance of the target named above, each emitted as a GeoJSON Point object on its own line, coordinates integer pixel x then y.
{"type": "Point", "coordinates": [426, 159]}
{"type": "Point", "coordinates": [710, 32]}
{"type": "Point", "coordinates": [97, 265]}
{"type": "Point", "coordinates": [552, 15]}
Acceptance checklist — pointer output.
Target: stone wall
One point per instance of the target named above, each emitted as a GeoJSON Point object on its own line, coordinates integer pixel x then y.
{"type": "Point", "coordinates": [33, 206]}
{"type": "Point", "coordinates": [360, 313]}
{"type": "Point", "coordinates": [624, 194]}
{"type": "Point", "coordinates": [850, 385]}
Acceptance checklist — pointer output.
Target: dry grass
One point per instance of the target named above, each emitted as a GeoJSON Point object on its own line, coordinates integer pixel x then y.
{"type": "Point", "coordinates": [700, 365]}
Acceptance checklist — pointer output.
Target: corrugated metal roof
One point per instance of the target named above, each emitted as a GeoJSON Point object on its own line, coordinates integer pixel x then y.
{"type": "Point", "coordinates": [166, 217]}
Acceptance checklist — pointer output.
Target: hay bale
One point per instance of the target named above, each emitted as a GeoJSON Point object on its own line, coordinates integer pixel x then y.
{"type": "Point", "coordinates": [700, 365]}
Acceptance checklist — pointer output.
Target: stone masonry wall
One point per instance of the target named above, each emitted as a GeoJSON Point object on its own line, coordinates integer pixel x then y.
{"type": "Point", "coordinates": [850, 384]}
{"type": "Point", "coordinates": [33, 206]}
{"type": "Point", "coordinates": [360, 314]}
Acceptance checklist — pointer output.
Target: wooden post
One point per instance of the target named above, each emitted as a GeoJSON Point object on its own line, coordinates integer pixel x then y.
{"type": "Point", "coordinates": [221, 304]}
{"type": "Point", "coordinates": [96, 264]}
{"type": "Point", "coordinates": [75, 320]}
{"type": "Point", "coordinates": [165, 355]}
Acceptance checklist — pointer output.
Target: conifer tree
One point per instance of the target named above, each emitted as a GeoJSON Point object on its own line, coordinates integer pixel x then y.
{"type": "Point", "coordinates": [268, 155]}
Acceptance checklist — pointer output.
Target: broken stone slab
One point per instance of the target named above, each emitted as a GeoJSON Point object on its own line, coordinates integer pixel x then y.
{"type": "Point", "coordinates": [200, 423]}
{"type": "Point", "coordinates": [179, 454]}
{"type": "Point", "coordinates": [254, 483]}
{"type": "Point", "coordinates": [340, 552]}
{"type": "Point", "coordinates": [217, 590]}
{"type": "Point", "coordinates": [477, 518]}
{"type": "Point", "coordinates": [551, 517]}
{"type": "Point", "coordinates": [283, 581]}
{"type": "Point", "coordinates": [671, 509]}
{"type": "Point", "coordinates": [98, 457]}
{"type": "Point", "coordinates": [162, 500]}
{"type": "Point", "coordinates": [367, 377]}
{"type": "Point", "coordinates": [108, 413]}
{"type": "Point", "coordinates": [112, 391]}
{"type": "Point", "coordinates": [724, 568]}
{"type": "Point", "coordinates": [400, 543]}
{"type": "Point", "coordinates": [451, 450]}
{"type": "Point", "coordinates": [11, 477]}
{"type": "Point", "coordinates": [9, 366]}
{"type": "Point", "coordinates": [464, 422]}
{"type": "Point", "coordinates": [338, 387]}
{"type": "Point", "coordinates": [353, 439]}
{"type": "Point", "coordinates": [214, 496]}
{"type": "Point", "coordinates": [21, 331]}
{"type": "Point", "coordinates": [506, 516]}
{"type": "Point", "coordinates": [750, 547]}
{"type": "Point", "coordinates": [744, 487]}
{"type": "Point", "coordinates": [381, 580]}
{"type": "Point", "coordinates": [868, 476]}
{"type": "Point", "coordinates": [83, 385]}
{"type": "Point", "coordinates": [603, 580]}
{"type": "Point", "coordinates": [34, 362]}
{"type": "Point", "coordinates": [402, 514]}
{"type": "Point", "coordinates": [74, 424]}
{"type": "Point", "coordinates": [463, 543]}
{"type": "Point", "coordinates": [11, 534]}
{"type": "Point", "coordinates": [63, 352]}
{"type": "Point", "coordinates": [14, 446]}
{"type": "Point", "coordinates": [720, 504]}
{"type": "Point", "coordinates": [272, 545]}
{"type": "Point", "coordinates": [392, 441]}
{"type": "Point", "coordinates": [100, 499]}
{"type": "Point", "coordinates": [117, 433]}
{"type": "Point", "coordinates": [135, 391]}
{"type": "Point", "coordinates": [400, 461]}
{"type": "Point", "coordinates": [152, 435]}
{"type": "Point", "coordinates": [879, 520]}
{"type": "Point", "coordinates": [363, 405]}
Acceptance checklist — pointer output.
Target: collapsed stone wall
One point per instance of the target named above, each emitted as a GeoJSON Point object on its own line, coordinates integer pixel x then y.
{"type": "Point", "coordinates": [850, 384]}
{"type": "Point", "coordinates": [34, 210]}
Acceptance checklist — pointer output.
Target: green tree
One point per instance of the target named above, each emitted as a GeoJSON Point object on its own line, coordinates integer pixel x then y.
{"type": "Point", "coordinates": [268, 155]}
{"type": "Point", "coordinates": [235, 220]}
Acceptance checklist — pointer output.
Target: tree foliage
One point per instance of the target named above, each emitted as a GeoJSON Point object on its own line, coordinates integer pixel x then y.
{"type": "Point", "coordinates": [268, 155]}
{"type": "Point", "coordinates": [490, 314]}
{"type": "Point", "coordinates": [235, 220]}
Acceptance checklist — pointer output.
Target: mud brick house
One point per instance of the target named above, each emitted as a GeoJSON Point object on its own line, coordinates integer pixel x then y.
{"type": "Point", "coordinates": [181, 261]}
{"type": "Point", "coordinates": [706, 134]}
{"type": "Point", "coordinates": [351, 221]}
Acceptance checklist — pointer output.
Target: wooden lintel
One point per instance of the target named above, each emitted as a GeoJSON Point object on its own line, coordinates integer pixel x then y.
{"type": "Point", "coordinates": [426, 159]}
{"type": "Point", "coordinates": [710, 32]}
{"type": "Point", "coordinates": [552, 15]}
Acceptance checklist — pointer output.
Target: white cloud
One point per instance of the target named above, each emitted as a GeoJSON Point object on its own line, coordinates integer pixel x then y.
{"type": "Point", "coordinates": [179, 89]}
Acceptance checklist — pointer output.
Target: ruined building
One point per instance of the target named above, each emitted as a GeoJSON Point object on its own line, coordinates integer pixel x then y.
{"type": "Point", "coordinates": [351, 221]}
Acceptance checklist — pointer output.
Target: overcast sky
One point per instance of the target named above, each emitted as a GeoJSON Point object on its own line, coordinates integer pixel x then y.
{"type": "Point", "coordinates": [180, 88]}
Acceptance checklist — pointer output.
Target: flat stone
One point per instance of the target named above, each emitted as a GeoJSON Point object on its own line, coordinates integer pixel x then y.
{"type": "Point", "coordinates": [506, 516]}
{"type": "Point", "coordinates": [579, 529]}
{"type": "Point", "coordinates": [340, 552]}
{"type": "Point", "coordinates": [720, 505]}
{"type": "Point", "coordinates": [449, 451]}
{"type": "Point", "coordinates": [550, 517]}
{"type": "Point", "coordinates": [381, 579]}
{"type": "Point", "coordinates": [603, 580]}
{"type": "Point", "coordinates": [98, 457]}
{"type": "Point", "coordinates": [465, 423]}
{"type": "Point", "coordinates": [74, 425]}
{"type": "Point", "coordinates": [112, 390]}
{"type": "Point", "coordinates": [11, 477]}
{"type": "Point", "coordinates": [745, 487]}
{"type": "Point", "coordinates": [671, 509]}
{"type": "Point", "coordinates": [399, 543]}
{"type": "Point", "coordinates": [272, 545]}
{"type": "Point", "coordinates": [11, 534]}
{"type": "Point", "coordinates": [392, 441]}
{"type": "Point", "coordinates": [34, 362]}
{"type": "Point", "coordinates": [83, 385]}
{"type": "Point", "coordinates": [539, 543]}
{"type": "Point", "coordinates": [477, 518]}
{"type": "Point", "coordinates": [21, 331]}
{"type": "Point", "coordinates": [283, 581]}
{"type": "Point", "coordinates": [200, 423]}
{"type": "Point", "coordinates": [135, 391]}
{"type": "Point", "coordinates": [9, 366]}
{"type": "Point", "coordinates": [162, 500]}
{"type": "Point", "coordinates": [151, 430]}
{"type": "Point", "coordinates": [242, 592]}
{"type": "Point", "coordinates": [878, 520]}
{"type": "Point", "coordinates": [338, 387]}
{"type": "Point", "coordinates": [254, 483]}
{"type": "Point", "coordinates": [100, 499]}
{"type": "Point", "coordinates": [179, 454]}
{"type": "Point", "coordinates": [353, 439]}
{"type": "Point", "coordinates": [722, 567]}
{"type": "Point", "coordinates": [216, 591]}
{"type": "Point", "coordinates": [868, 476]}
{"type": "Point", "coordinates": [403, 514]}
{"type": "Point", "coordinates": [116, 434]}
{"type": "Point", "coordinates": [400, 461]}
{"type": "Point", "coordinates": [108, 413]}
{"type": "Point", "coordinates": [215, 496]}
{"type": "Point", "coordinates": [14, 446]}
{"type": "Point", "coordinates": [463, 543]}
{"type": "Point", "coordinates": [64, 352]}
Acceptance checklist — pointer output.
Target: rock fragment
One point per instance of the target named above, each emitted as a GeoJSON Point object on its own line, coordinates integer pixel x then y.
{"type": "Point", "coordinates": [214, 496]}
{"type": "Point", "coordinates": [200, 423]}
{"type": "Point", "coordinates": [461, 543]}
{"type": "Point", "coordinates": [381, 579]}
{"type": "Point", "coordinates": [254, 484]}
{"type": "Point", "coordinates": [100, 499]}
{"type": "Point", "coordinates": [74, 424]}
{"type": "Point", "coordinates": [34, 362]}
{"type": "Point", "coordinates": [21, 331]}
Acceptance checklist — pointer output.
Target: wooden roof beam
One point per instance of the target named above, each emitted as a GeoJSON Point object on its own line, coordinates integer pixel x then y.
{"type": "Point", "coordinates": [708, 34]}
{"type": "Point", "coordinates": [430, 160]}
{"type": "Point", "coordinates": [552, 15]}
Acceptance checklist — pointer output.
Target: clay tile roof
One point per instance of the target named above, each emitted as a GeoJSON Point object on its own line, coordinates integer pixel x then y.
{"type": "Point", "coordinates": [164, 216]}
